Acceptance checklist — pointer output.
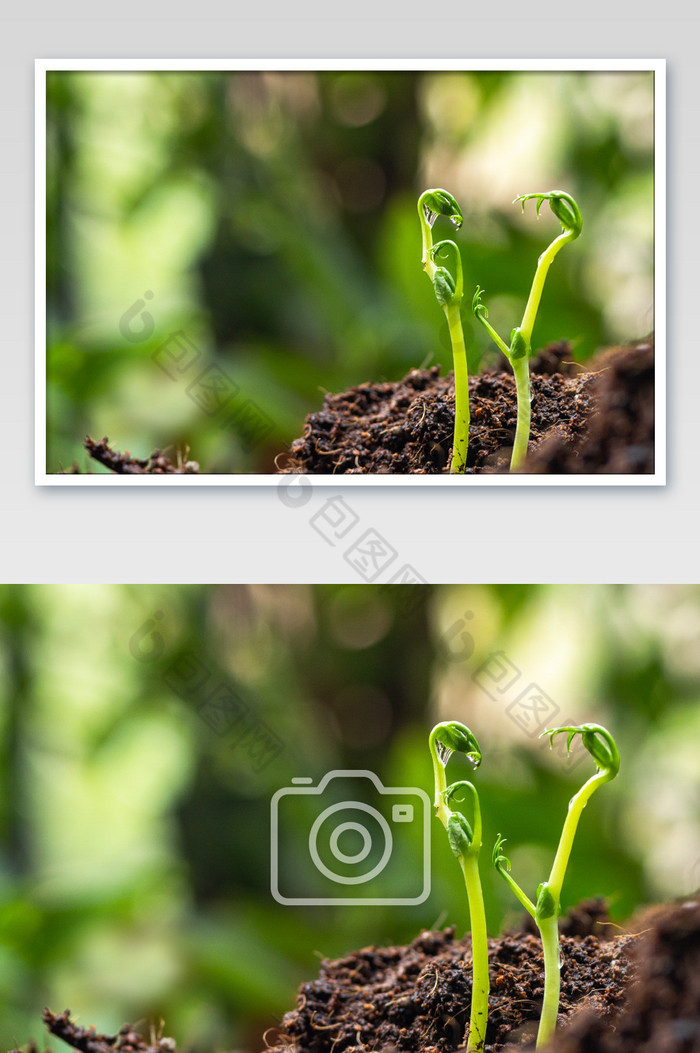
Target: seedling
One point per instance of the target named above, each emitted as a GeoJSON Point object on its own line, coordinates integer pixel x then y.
{"type": "Point", "coordinates": [518, 353]}
{"type": "Point", "coordinates": [449, 291]}
{"type": "Point", "coordinates": [601, 745]}
{"type": "Point", "coordinates": [465, 842]}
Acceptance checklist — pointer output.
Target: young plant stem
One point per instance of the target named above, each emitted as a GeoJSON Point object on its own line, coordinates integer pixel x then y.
{"type": "Point", "coordinates": [448, 291]}
{"type": "Point", "coordinates": [521, 371]}
{"type": "Point", "coordinates": [549, 931]}
{"type": "Point", "coordinates": [543, 265]}
{"type": "Point", "coordinates": [465, 842]}
{"type": "Point", "coordinates": [576, 805]}
{"type": "Point", "coordinates": [480, 954]}
{"type": "Point", "coordinates": [518, 354]}
{"type": "Point", "coordinates": [460, 444]}
{"type": "Point", "coordinates": [439, 777]}
{"type": "Point", "coordinates": [601, 745]}
{"type": "Point", "coordinates": [548, 927]}
{"type": "Point", "coordinates": [431, 204]}
{"type": "Point", "coordinates": [567, 212]}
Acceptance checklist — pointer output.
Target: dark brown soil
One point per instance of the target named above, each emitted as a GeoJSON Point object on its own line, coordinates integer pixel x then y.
{"type": "Point", "coordinates": [662, 1011]}
{"type": "Point", "coordinates": [597, 419]}
{"type": "Point", "coordinates": [418, 997]}
{"type": "Point", "coordinates": [87, 1039]}
{"type": "Point", "coordinates": [124, 464]}
{"type": "Point", "coordinates": [636, 992]}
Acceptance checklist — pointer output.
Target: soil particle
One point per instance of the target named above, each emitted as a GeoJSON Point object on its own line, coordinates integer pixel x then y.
{"type": "Point", "coordinates": [600, 420]}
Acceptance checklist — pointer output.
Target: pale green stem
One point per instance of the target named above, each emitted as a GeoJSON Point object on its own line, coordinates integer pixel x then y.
{"type": "Point", "coordinates": [469, 863]}
{"type": "Point", "coordinates": [525, 900]}
{"type": "Point", "coordinates": [521, 370]}
{"type": "Point", "coordinates": [426, 232]}
{"type": "Point", "coordinates": [494, 336]}
{"type": "Point", "coordinates": [427, 239]}
{"type": "Point", "coordinates": [576, 805]}
{"type": "Point", "coordinates": [549, 928]}
{"type": "Point", "coordinates": [480, 951]}
{"type": "Point", "coordinates": [549, 931]}
{"type": "Point", "coordinates": [543, 265]}
{"type": "Point", "coordinates": [441, 809]}
{"type": "Point", "coordinates": [459, 355]}
{"type": "Point", "coordinates": [521, 367]}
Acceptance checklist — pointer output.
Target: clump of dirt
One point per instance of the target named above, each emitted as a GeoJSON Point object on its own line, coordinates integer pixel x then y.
{"type": "Point", "coordinates": [619, 437]}
{"type": "Point", "coordinates": [88, 1040]}
{"type": "Point", "coordinates": [418, 997]}
{"type": "Point", "coordinates": [597, 419]}
{"type": "Point", "coordinates": [124, 464]}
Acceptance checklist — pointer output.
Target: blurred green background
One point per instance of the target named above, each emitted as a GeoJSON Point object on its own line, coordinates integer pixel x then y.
{"type": "Point", "coordinates": [270, 220]}
{"type": "Point", "coordinates": [134, 861]}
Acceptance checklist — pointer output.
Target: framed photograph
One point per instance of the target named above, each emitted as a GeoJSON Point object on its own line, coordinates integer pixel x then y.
{"type": "Point", "coordinates": [385, 272]}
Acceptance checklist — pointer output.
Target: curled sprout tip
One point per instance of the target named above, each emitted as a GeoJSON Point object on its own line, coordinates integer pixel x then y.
{"type": "Point", "coordinates": [477, 305]}
{"type": "Point", "coordinates": [451, 791]}
{"type": "Point", "coordinates": [522, 198]}
{"type": "Point", "coordinates": [597, 740]}
{"type": "Point", "coordinates": [499, 860]}
{"type": "Point", "coordinates": [454, 737]}
{"type": "Point", "coordinates": [439, 202]}
{"type": "Point", "coordinates": [562, 205]}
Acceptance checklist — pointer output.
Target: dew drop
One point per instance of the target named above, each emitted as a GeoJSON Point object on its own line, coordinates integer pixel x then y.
{"type": "Point", "coordinates": [444, 752]}
{"type": "Point", "coordinates": [430, 216]}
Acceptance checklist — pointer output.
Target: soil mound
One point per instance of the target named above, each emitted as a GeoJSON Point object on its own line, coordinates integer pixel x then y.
{"type": "Point", "coordinates": [418, 997]}
{"type": "Point", "coordinates": [597, 421]}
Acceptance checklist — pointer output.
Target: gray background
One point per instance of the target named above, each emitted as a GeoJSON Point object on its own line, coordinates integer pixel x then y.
{"type": "Point", "coordinates": [244, 533]}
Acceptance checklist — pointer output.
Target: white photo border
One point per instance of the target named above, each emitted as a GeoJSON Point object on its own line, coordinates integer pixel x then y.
{"type": "Point", "coordinates": [655, 66]}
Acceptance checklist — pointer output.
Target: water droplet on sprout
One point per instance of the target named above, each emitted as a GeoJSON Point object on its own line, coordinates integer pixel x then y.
{"type": "Point", "coordinates": [444, 752]}
{"type": "Point", "coordinates": [430, 216]}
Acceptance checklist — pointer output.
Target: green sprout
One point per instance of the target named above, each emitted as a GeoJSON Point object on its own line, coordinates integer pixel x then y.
{"type": "Point", "coordinates": [465, 842]}
{"type": "Point", "coordinates": [601, 745]}
{"type": "Point", "coordinates": [449, 292]}
{"type": "Point", "coordinates": [518, 353]}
